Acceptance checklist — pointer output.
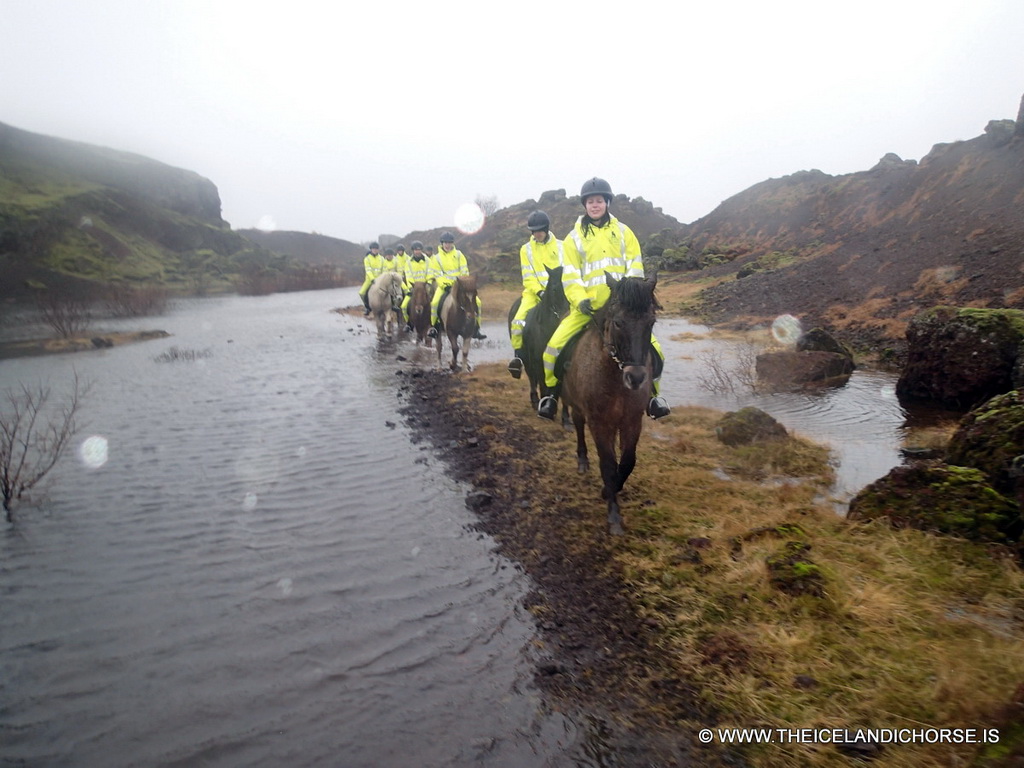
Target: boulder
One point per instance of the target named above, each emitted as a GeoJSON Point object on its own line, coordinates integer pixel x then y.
{"type": "Point", "coordinates": [991, 439]}
{"type": "Point", "coordinates": [820, 340]}
{"type": "Point", "coordinates": [781, 369]}
{"type": "Point", "coordinates": [749, 425]}
{"type": "Point", "coordinates": [933, 496]}
{"type": "Point", "coordinates": [959, 358]}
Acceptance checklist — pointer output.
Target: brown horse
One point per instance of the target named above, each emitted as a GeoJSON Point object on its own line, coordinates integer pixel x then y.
{"type": "Point", "coordinates": [608, 383]}
{"type": "Point", "coordinates": [419, 311]}
{"type": "Point", "coordinates": [457, 313]}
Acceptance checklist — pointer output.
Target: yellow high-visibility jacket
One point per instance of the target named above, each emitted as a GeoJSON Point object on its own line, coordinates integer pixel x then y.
{"type": "Point", "coordinates": [445, 266]}
{"type": "Point", "coordinates": [535, 259]}
{"type": "Point", "coordinates": [373, 265]}
{"type": "Point", "coordinates": [389, 265]}
{"type": "Point", "coordinates": [416, 271]}
{"type": "Point", "coordinates": [611, 249]}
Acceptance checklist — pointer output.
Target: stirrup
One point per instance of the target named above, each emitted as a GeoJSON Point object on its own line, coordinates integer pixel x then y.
{"type": "Point", "coordinates": [547, 408]}
{"type": "Point", "coordinates": [515, 367]}
{"type": "Point", "coordinates": [658, 408]}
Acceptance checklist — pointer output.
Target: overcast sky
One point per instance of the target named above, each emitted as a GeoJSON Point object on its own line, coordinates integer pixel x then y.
{"type": "Point", "coordinates": [357, 119]}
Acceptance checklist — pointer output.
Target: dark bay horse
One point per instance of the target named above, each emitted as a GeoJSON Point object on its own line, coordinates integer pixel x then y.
{"type": "Point", "coordinates": [608, 383]}
{"type": "Point", "coordinates": [541, 322]}
{"type": "Point", "coordinates": [419, 311]}
{"type": "Point", "coordinates": [457, 312]}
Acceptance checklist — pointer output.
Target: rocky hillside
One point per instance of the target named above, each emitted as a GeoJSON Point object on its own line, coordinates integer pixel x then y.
{"type": "Point", "coordinates": [74, 214]}
{"type": "Point", "coordinates": [862, 253]}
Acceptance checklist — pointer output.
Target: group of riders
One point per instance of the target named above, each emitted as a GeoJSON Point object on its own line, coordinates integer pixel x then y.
{"type": "Point", "coordinates": [442, 269]}
{"type": "Point", "coordinates": [598, 245]}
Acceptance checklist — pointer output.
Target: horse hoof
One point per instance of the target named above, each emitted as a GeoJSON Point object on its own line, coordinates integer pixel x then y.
{"type": "Point", "coordinates": [616, 529]}
{"type": "Point", "coordinates": [583, 466]}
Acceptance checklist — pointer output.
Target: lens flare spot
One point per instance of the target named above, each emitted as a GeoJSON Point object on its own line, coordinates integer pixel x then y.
{"type": "Point", "coordinates": [250, 501]}
{"type": "Point", "coordinates": [786, 329]}
{"type": "Point", "coordinates": [469, 218]}
{"type": "Point", "coordinates": [266, 223]}
{"type": "Point", "coordinates": [94, 451]}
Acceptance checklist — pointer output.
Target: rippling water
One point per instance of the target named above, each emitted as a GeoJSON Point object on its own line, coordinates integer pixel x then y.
{"type": "Point", "coordinates": [266, 571]}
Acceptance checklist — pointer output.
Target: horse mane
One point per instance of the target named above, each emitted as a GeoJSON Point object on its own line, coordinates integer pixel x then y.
{"type": "Point", "coordinates": [636, 295]}
{"type": "Point", "coordinates": [463, 284]}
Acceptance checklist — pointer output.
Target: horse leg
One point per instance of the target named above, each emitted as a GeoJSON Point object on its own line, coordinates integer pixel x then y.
{"type": "Point", "coordinates": [466, 342]}
{"type": "Point", "coordinates": [628, 438]}
{"type": "Point", "coordinates": [605, 442]}
{"type": "Point", "coordinates": [582, 462]}
{"type": "Point", "coordinates": [454, 341]}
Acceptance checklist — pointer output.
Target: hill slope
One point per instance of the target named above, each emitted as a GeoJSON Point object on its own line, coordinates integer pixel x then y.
{"type": "Point", "coordinates": [313, 249]}
{"type": "Point", "coordinates": [863, 252]}
{"type": "Point", "coordinates": [78, 214]}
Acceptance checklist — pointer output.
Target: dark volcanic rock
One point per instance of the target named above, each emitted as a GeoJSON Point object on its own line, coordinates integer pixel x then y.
{"type": "Point", "coordinates": [961, 357]}
{"type": "Point", "coordinates": [781, 369]}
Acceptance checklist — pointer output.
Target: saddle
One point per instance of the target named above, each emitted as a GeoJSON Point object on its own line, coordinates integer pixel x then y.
{"type": "Point", "coordinates": [440, 303]}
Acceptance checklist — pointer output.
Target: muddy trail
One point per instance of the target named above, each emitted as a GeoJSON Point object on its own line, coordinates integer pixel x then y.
{"type": "Point", "coordinates": [601, 662]}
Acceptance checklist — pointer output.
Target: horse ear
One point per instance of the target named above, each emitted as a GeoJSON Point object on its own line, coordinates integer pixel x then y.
{"type": "Point", "coordinates": [653, 279]}
{"type": "Point", "coordinates": [610, 281]}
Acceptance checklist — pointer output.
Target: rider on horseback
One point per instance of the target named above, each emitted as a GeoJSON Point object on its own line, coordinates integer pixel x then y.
{"type": "Point", "coordinates": [445, 266]}
{"type": "Point", "coordinates": [541, 252]}
{"type": "Point", "coordinates": [417, 270]}
{"type": "Point", "coordinates": [373, 266]}
{"type": "Point", "coordinates": [599, 244]}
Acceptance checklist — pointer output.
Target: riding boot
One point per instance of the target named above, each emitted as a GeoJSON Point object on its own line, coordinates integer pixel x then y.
{"type": "Point", "coordinates": [658, 408]}
{"type": "Point", "coordinates": [515, 366]}
{"type": "Point", "coordinates": [477, 334]}
{"type": "Point", "coordinates": [547, 408]}
{"type": "Point", "coordinates": [366, 305]}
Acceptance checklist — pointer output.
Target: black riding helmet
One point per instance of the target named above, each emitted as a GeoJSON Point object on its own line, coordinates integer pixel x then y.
{"type": "Point", "coordinates": [447, 237]}
{"type": "Point", "coordinates": [596, 186]}
{"type": "Point", "coordinates": [538, 221]}
{"type": "Point", "coordinates": [375, 245]}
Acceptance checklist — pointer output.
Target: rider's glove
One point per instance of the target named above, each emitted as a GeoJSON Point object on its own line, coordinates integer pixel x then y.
{"type": "Point", "coordinates": [585, 308]}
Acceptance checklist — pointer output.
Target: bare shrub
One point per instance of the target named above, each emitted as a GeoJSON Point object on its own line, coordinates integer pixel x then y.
{"type": "Point", "coordinates": [488, 204]}
{"type": "Point", "coordinates": [65, 312]}
{"type": "Point", "coordinates": [726, 371]}
{"type": "Point", "coordinates": [33, 436]}
{"type": "Point", "coordinates": [174, 355]}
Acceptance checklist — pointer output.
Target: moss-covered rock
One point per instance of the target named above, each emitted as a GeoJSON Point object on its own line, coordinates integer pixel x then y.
{"type": "Point", "coordinates": [933, 496]}
{"type": "Point", "coordinates": [961, 357]}
{"type": "Point", "coordinates": [990, 438]}
{"type": "Point", "coordinates": [748, 425]}
{"type": "Point", "coordinates": [793, 572]}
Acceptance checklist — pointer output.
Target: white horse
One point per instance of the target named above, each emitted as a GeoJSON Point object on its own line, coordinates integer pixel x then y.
{"type": "Point", "coordinates": [385, 299]}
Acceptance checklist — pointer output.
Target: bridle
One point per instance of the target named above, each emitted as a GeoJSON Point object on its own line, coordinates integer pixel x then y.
{"type": "Point", "coordinates": [611, 349]}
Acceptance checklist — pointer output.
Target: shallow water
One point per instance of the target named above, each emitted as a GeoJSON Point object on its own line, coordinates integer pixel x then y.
{"type": "Point", "coordinates": [266, 571]}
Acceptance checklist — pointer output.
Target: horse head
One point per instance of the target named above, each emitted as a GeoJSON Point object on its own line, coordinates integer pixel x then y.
{"type": "Point", "coordinates": [626, 321]}
{"type": "Point", "coordinates": [554, 293]}
{"type": "Point", "coordinates": [464, 295]}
